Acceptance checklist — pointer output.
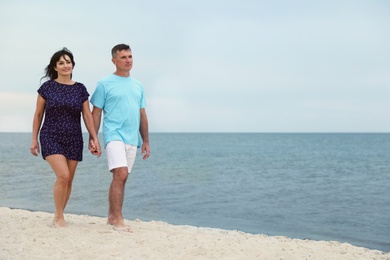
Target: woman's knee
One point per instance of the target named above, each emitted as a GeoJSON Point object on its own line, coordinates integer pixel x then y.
{"type": "Point", "coordinates": [63, 177]}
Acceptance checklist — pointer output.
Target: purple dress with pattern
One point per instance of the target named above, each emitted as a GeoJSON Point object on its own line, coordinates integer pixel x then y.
{"type": "Point", "coordinates": [61, 129]}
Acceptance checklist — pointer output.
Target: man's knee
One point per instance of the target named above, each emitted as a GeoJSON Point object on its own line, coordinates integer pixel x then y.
{"type": "Point", "coordinates": [120, 174]}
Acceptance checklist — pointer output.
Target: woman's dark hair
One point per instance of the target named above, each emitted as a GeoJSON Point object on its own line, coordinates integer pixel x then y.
{"type": "Point", "coordinates": [50, 72]}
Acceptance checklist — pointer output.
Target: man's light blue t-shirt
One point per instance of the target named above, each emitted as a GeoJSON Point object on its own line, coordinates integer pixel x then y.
{"type": "Point", "coordinates": [121, 99]}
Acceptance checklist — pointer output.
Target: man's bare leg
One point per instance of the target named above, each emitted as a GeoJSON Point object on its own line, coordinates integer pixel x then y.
{"type": "Point", "coordinates": [116, 197]}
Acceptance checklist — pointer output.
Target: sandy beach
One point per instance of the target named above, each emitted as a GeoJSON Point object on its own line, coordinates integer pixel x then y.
{"type": "Point", "coordinates": [30, 235]}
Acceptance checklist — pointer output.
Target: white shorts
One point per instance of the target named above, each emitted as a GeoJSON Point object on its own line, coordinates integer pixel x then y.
{"type": "Point", "coordinates": [120, 154]}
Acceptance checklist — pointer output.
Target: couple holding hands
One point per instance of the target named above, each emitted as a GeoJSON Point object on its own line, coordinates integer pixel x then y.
{"type": "Point", "coordinates": [61, 102]}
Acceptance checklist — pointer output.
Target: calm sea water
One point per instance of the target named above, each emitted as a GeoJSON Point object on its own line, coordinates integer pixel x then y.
{"type": "Point", "coordinates": [314, 186]}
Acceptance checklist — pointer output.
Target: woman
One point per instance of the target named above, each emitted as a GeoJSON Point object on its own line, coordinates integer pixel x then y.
{"type": "Point", "coordinates": [62, 100]}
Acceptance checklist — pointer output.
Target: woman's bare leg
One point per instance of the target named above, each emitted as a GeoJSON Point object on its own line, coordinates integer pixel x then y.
{"type": "Point", "coordinates": [60, 167]}
{"type": "Point", "coordinates": [72, 165]}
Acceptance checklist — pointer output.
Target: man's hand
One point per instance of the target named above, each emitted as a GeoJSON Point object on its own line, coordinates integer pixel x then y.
{"type": "Point", "coordinates": [145, 150]}
{"type": "Point", "coordinates": [94, 147]}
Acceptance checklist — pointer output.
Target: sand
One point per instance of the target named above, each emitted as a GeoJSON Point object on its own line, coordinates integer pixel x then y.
{"type": "Point", "coordinates": [30, 235]}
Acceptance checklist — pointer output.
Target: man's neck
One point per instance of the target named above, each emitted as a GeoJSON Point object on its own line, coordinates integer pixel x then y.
{"type": "Point", "coordinates": [122, 73]}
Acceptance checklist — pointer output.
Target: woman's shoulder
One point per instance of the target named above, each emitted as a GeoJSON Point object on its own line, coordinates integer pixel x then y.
{"type": "Point", "coordinates": [81, 88]}
{"type": "Point", "coordinates": [47, 84]}
{"type": "Point", "coordinates": [79, 85]}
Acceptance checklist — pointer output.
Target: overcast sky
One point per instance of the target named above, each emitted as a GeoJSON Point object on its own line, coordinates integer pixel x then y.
{"type": "Point", "coordinates": [212, 66]}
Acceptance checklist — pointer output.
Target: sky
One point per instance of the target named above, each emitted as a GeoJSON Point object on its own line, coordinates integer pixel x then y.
{"type": "Point", "coordinates": [212, 66]}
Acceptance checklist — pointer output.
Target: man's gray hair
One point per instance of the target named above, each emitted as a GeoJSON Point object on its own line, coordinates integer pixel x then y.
{"type": "Point", "coordinates": [119, 47]}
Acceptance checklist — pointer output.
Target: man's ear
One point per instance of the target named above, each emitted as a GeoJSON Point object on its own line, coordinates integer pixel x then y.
{"type": "Point", "coordinates": [113, 60]}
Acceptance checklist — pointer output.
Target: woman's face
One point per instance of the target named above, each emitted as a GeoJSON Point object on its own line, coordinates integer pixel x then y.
{"type": "Point", "coordinates": [64, 66]}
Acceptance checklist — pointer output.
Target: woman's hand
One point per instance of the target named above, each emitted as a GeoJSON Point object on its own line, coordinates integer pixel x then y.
{"type": "Point", "coordinates": [94, 147]}
{"type": "Point", "coordinates": [34, 148]}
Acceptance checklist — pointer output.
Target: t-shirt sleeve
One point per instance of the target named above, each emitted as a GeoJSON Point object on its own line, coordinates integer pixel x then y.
{"type": "Point", "coordinates": [142, 101]}
{"type": "Point", "coordinates": [98, 97]}
{"type": "Point", "coordinates": [42, 91]}
{"type": "Point", "coordinates": [84, 93]}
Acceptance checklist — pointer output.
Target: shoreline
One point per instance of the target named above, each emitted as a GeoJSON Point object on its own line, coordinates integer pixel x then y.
{"type": "Point", "coordinates": [30, 234]}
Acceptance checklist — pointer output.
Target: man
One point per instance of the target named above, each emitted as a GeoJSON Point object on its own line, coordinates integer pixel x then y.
{"type": "Point", "coordinates": [121, 97]}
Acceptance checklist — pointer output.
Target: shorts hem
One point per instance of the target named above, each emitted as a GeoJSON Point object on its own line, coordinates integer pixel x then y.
{"type": "Point", "coordinates": [118, 166]}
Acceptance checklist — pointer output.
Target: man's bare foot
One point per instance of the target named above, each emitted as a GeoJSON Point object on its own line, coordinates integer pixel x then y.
{"type": "Point", "coordinates": [124, 228]}
{"type": "Point", "coordinates": [119, 225]}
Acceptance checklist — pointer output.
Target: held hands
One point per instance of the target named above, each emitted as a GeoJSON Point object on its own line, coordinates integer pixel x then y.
{"type": "Point", "coordinates": [94, 147]}
{"type": "Point", "coordinates": [34, 148]}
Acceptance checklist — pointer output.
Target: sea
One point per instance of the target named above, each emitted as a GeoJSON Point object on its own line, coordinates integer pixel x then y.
{"type": "Point", "coordinates": [316, 186]}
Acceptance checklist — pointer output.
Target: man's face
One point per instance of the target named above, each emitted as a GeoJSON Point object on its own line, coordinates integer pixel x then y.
{"type": "Point", "coordinates": [123, 60]}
